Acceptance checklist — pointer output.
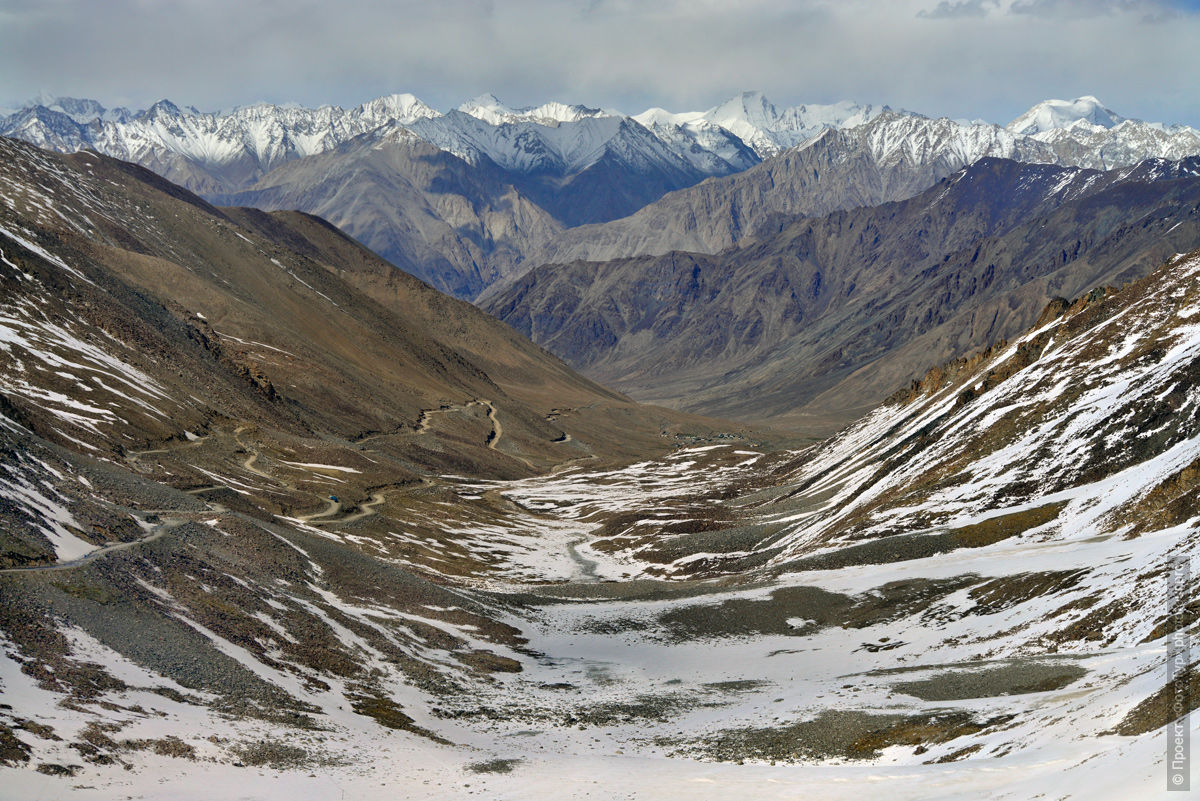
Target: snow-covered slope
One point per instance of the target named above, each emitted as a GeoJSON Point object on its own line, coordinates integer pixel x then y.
{"type": "Point", "coordinates": [1018, 511]}
{"type": "Point", "coordinates": [1094, 412]}
{"type": "Point", "coordinates": [269, 133]}
{"type": "Point", "coordinates": [225, 147]}
{"type": "Point", "coordinates": [759, 125]}
{"type": "Point", "coordinates": [705, 144]}
{"type": "Point", "coordinates": [488, 108]}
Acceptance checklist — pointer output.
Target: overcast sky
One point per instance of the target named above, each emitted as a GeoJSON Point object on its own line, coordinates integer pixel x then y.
{"type": "Point", "coordinates": [960, 58]}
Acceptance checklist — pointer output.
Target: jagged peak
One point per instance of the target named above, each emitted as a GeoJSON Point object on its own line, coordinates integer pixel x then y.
{"type": "Point", "coordinates": [80, 109]}
{"type": "Point", "coordinates": [400, 105]}
{"type": "Point", "coordinates": [488, 108]}
{"type": "Point", "coordinates": [163, 107]}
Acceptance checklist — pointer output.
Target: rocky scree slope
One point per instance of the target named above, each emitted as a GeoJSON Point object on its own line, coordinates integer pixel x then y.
{"type": "Point", "coordinates": [970, 570]}
{"type": "Point", "coordinates": [225, 435]}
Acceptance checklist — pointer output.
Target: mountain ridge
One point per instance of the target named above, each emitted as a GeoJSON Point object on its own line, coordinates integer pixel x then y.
{"type": "Point", "coordinates": [795, 323]}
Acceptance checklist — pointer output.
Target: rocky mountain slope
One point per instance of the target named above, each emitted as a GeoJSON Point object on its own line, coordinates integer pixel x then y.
{"type": "Point", "coordinates": [819, 320]}
{"type": "Point", "coordinates": [137, 314]}
{"type": "Point", "coordinates": [593, 169]}
{"type": "Point", "coordinates": [892, 157]}
{"type": "Point", "coordinates": [456, 226]}
{"type": "Point", "coordinates": [479, 174]}
{"type": "Point", "coordinates": [245, 557]}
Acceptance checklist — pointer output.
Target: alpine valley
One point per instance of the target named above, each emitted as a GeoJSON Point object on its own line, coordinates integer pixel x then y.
{"type": "Point", "coordinates": [832, 451]}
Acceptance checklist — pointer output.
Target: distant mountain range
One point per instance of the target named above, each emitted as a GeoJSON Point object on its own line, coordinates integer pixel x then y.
{"type": "Point", "coordinates": [892, 156]}
{"type": "Point", "coordinates": [474, 196]}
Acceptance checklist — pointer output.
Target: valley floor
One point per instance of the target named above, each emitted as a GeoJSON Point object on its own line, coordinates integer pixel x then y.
{"type": "Point", "coordinates": [854, 682]}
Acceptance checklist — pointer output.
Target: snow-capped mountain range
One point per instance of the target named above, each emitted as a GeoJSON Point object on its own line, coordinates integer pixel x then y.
{"type": "Point", "coordinates": [225, 151]}
{"type": "Point", "coordinates": [755, 120]}
{"type": "Point", "coordinates": [624, 185]}
{"type": "Point", "coordinates": [208, 152]}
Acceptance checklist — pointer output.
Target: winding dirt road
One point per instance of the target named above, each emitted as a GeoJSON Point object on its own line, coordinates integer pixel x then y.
{"type": "Point", "coordinates": [332, 509]}
{"type": "Point", "coordinates": [157, 532]}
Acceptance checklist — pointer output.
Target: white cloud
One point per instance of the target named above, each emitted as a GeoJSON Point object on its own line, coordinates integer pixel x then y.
{"type": "Point", "coordinates": [613, 53]}
{"type": "Point", "coordinates": [956, 9]}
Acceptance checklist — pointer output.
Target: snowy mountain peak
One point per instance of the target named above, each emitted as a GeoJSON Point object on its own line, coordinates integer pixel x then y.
{"type": "Point", "coordinates": [81, 110]}
{"type": "Point", "coordinates": [1053, 114]}
{"type": "Point", "coordinates": [756, 121]}
{"type": "Point", "coordinates": [660, 116]}
{"type": "Point", "coordinates": [163, 108]}
{"type": "Point", "coordinates": [489, 109]}
{"type": "Point", "coordinates": [402, 107]}
{"type": "Point", "coordinates": [563, 112]}
{"type": "Point", "coordinates": [749, 107]}
{"type": "Point", "coordinates": [486, 100]}
{"type": "Point", "coordinates": [843, 114]}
